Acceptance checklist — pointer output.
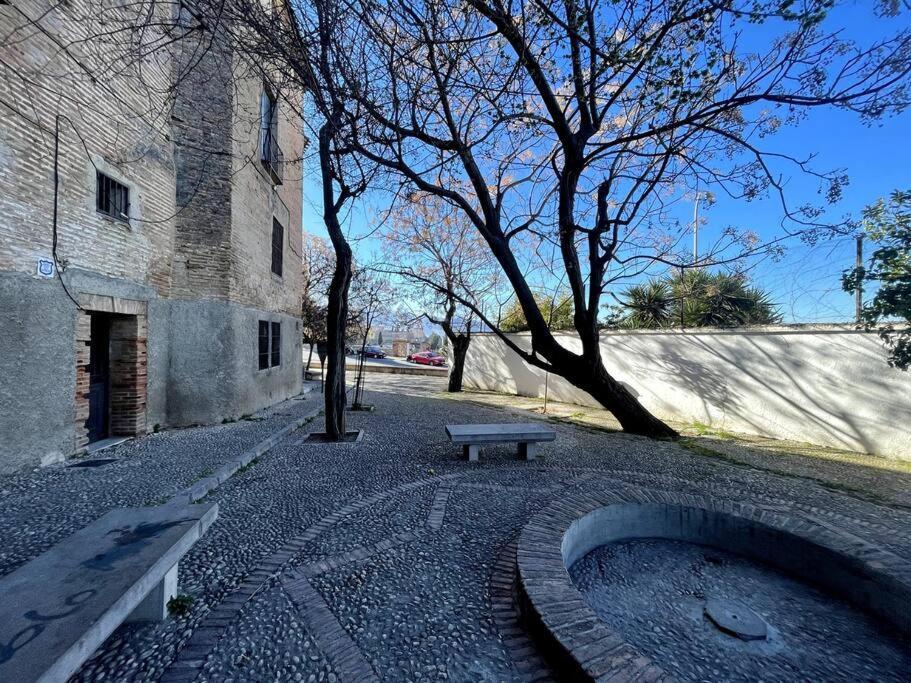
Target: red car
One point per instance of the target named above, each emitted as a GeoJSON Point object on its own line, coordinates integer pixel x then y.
{"type": "Point", "coordinates": [427, 358]}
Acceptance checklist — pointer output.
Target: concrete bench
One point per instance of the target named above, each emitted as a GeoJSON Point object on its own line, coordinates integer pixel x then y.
{"type": "Point", "coordinates": [57, 609]}
{"type": "Point", "coordinates": [527, 435]}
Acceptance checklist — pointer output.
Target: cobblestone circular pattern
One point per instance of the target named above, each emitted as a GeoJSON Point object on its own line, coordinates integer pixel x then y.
{"type": "Point", "coordinates": [574, 637]}
{"type": "Point", "coordinates": [329, 559]}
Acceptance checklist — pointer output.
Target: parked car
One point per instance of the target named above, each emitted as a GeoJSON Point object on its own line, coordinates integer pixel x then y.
{"type": "Point", "coordinates": [373, 351]}
{"type": "Point", "coordinates": [427, 358]}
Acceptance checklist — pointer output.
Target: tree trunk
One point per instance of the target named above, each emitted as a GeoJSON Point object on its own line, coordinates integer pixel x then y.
{"type": "Point", "coordinates": [335, 395]}
{"type": "Point", "coordinates": [459, 351]}
{"type": "Point", "coordinates": [309, 358]}
{"type": "Point", "coordinates": [616, 398]}
{"type": "Point", "coordinates": [337, 310]}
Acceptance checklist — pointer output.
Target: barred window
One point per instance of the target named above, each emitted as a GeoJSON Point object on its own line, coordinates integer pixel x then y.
{"type": "Point", "coordinates": [263, 344]}
{"type": "Point", "coordinates": [112, 198]}
{"type": "Point", "coordinates": [276, 344]}
{"type": "Point", "coordinates": [270, 344]}
{"type": "Point", "coordinates": [278, 242]}
{"type": "Point", "coordinates": [268, 125]}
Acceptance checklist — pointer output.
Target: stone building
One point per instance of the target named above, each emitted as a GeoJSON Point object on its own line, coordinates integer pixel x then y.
{"type": "Point", "coordinates": [149, 270]}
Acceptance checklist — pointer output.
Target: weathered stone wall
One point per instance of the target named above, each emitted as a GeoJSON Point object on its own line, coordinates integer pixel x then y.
{"type": "Point", "coordinates": [825, 385]}
{"type": "Point", "coordinates": [195, 254]}
{"type": "Point", "coordinates": [223, 265]}
{"type": "Point", "coordinates": [37, 372]}
{"type": "Point", "coordinates": [222, 339]}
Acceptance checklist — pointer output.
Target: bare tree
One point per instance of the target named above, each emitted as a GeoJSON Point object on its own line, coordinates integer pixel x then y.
{"type": "Point", "coordinates": [583, 122]}
{"type": "Point", "coordinates": [434, 247]}
{"type": "Point", "coordinates": [318, 265]}
{"type": "Point", "coordinates": [580, 124]}
{"type": "Point", "coordinates": [369, 296]}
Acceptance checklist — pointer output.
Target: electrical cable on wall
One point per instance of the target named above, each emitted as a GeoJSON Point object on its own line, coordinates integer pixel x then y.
{"type": "Point", "coordinates": [58, 268]}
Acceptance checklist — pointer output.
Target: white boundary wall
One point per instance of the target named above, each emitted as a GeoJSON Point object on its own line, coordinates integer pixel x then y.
{"type": "Point", "coordinates": [827, 385]}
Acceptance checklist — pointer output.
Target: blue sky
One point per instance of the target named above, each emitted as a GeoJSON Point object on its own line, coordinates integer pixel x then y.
{"type": "Point", "coordinates": [806, 282]}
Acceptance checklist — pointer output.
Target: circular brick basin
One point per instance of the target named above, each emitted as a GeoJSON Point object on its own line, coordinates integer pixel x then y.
{"type": "Point", "coordinates": [583, 647]}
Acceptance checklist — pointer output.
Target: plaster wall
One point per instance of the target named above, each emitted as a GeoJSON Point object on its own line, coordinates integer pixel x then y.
{"type": "Point", "coordinates": [827, 385]}
{"type": "Point", "coordinates": [213, 371]}
{"type": "Point", "coordinates": [38, 365]}
{"type": "Point", "coordinates": [202, 363]}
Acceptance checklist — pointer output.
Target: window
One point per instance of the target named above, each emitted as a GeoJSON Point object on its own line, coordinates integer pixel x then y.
{"type": "Point", "coordinates": [268, 125]}
{"type": "Point", "coordinates": [270, 344]}
{"type": "Point", "coordinates": [278, 243]}
{"type": "Point", "coordinates": [276, 344]}
{"type": "Point", "coordinates": [263, 344]}
{"type": "Point", "coordinates": [269, 152]}
{"type": "Point", "coordinates": [112, 198]}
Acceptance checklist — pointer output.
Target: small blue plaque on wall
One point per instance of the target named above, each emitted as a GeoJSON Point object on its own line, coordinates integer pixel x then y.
{"type": "Point", "coordinates": [45, 267]}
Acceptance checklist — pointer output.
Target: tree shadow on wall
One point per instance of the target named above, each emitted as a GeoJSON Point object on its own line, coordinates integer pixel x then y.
{"type": "Point", "coordinates": [782, 378]}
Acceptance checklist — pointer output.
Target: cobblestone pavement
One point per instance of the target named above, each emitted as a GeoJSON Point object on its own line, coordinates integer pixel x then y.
{"type": "Point", "coordinates": [861, 474]}
{"type": "Point", "coordinates": [389, 559]}
{"type": "Point", "coordinates": [40, 507]}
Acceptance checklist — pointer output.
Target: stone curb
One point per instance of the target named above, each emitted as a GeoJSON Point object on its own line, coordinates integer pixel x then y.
{"type": "Point", "coordinates": [576, 640]}
{"type": "Point", "coordinates": [200, 489]}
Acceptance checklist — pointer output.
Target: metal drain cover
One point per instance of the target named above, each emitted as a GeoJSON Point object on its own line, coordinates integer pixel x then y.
{"type": "Point", "coordinates": [736, 619]}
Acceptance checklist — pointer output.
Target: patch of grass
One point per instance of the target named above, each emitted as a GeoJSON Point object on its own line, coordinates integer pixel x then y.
{"type": "Point", "coordinates": [228, 420]}
{"type": "Point", "coordinates": [180, 605]}
{"type": "Point", "coordinates": [588, 426]}
{"type": "Point", "coordinates": [699, 449]}
{"type": "Point", "coordinates": [208, 471]}
{"type": "Point", "coordinates": [837, 487]}
{"type": "Point", "coordinates": [249, 417]}
{"type": "Point", "coordinates": [246, 467]}
{"type": "Point", "coordinates": [703, 429]}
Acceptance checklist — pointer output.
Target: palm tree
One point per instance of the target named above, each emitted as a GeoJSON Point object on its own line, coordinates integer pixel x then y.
{"type": "Point", "coordinates": [650, 305]}
{"type": "Point", "coordinates": [698, 298]}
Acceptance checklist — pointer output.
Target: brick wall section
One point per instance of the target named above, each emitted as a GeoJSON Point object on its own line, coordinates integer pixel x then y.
{"type": "Point", "coordinates": [81, 413]}
{"type": "Point", "coordinates": [257, 200]}
{"type": "Point", "coordinates": [198, 229]}
{"type": "Point", "coordinates": [223, 247]}
{"type": "Point", "coordinates": [202, 137]}
{"type": "Point", "coordinates": [115, 123]}
{"type": "Point", "coordinates": [197, 153]}
{"type": "Point", "coordinates": [128, 375]}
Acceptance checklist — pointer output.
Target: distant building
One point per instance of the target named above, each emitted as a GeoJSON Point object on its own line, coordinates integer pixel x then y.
{"type": "Point", "coordinates": [400, 342]}
{"type": "Point", "coordinates": [178, 234]}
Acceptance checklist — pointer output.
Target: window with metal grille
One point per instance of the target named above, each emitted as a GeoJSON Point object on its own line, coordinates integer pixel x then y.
{"type": "Point", "coordinates": [268, 125]}
{"type": "Point", "coordinates": [270, 344]}
{"type": "Point", "coordinates": [263, 344]}
{"type": "Point", "coordinates": [278, 237]}
{"type": "Point", "coordinates": [276, 344]}
{"type": "Point", "coordinates": [112, 198]}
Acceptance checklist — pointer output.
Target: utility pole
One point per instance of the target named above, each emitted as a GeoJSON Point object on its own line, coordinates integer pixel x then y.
{"type": "Point", "coordinates": [696, 230]}
{"type": "Point", "coordinates": [858, 280]}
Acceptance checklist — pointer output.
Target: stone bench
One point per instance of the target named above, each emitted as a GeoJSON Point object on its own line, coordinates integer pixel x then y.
{"type": "Point", "coordinates": [527, 435]}
{"type": "Point", "coordinates": [58, 608]}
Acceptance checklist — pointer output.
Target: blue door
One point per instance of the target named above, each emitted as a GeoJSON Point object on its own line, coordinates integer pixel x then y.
{"type": "Point", "coordinates": [99, 378]}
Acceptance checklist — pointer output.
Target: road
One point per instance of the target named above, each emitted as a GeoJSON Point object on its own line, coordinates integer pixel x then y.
{"type": "Point", "coordinates": [351, 361]}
